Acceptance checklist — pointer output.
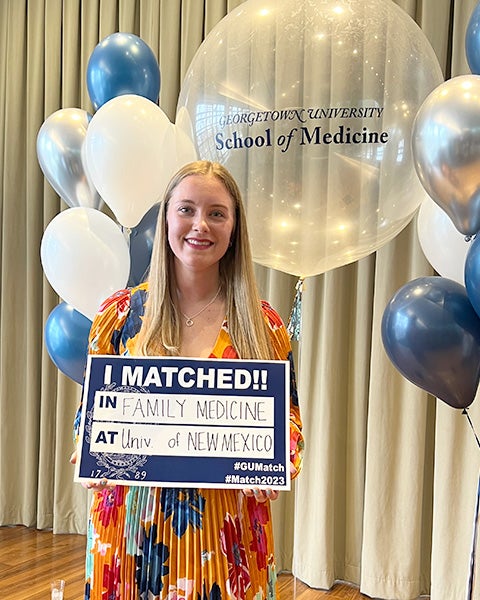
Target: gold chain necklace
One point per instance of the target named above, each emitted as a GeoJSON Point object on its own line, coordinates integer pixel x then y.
{"type": "Point", "coordinates": [189, 320]}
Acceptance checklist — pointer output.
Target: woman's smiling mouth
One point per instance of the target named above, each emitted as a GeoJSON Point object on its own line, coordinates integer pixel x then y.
{"type": "Point", "coordinates": [199, 243]}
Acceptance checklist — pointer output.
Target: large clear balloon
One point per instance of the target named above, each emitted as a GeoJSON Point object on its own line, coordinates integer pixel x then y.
{"type": "Point", "coordinates": [444, 246]}
{"type": "Point", "coordinates": [59, 151]}
{"type": "Point", "coordinates": [431, 334]}
{"type": "Point", "coordinates": [472, 41]}
{"type": "Point", "coordinates": [85, 258]}
{"type": "Point", "coordinates": [120, 64]}
{"type": "Point", "coordinates": [66, 339]}
{"type": "Point", "coordinates": [186, 147]}
{"type": "Point", "coordinates": [130, 153]}
{"type": "Point", "coordinates": [446, 149]}
{"type": "Point", "coordinates": [310, 105]}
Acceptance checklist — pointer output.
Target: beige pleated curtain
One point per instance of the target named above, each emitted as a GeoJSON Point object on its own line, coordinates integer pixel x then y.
{"type": "Point", "coordinates": [387, 496]}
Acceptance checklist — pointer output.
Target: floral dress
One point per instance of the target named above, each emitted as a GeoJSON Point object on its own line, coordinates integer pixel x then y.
{"type": "Point", "coordinates": [180, 543]}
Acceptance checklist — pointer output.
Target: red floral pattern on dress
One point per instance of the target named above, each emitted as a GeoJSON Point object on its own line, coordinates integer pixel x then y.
{"type": "Point", "coordinates": [229, 352]}
{"type": "Point", "coordinates": [111, 580]}
{"type": "Point", "coordinates": [258, 515]}
{"type": "Point", "coordinates": [108, 507]}
{"type": "Point", "coordinates": [121, 299]}
{"type": "Point", "coordinates": [296, 448]}
{"type": "Point", "coordinates": [234, 550]}
{"type": "Point", "coordinates": [123, 306]}
{"type": "Point", "coordinates": [273, 317]}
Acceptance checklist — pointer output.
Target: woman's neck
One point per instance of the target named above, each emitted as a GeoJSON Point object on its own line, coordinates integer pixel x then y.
{"type": "Point", "coordinates": [197, 286]}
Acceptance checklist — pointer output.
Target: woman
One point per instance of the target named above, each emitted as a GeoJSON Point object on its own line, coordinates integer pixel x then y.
{"type": "Point", "coordinates": [201, 300]}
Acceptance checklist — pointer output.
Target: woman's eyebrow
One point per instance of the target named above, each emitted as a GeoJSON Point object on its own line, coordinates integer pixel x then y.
{"type": "Point", "coordinates": [213, 205]}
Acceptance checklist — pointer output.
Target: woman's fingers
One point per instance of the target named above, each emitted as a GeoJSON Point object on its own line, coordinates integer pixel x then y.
{"type": "Point", "coordinates": [261, 495]}
{"type": "Point", "coordinates": [95, 486]}
{"type": "Point", "coordinates": [98, 486]}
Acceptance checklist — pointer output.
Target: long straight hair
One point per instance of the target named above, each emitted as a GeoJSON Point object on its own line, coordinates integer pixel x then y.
{"type": "Point", "coordinates": [160, 331]}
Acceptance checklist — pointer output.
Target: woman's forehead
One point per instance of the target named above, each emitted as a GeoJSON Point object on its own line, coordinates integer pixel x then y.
{"type": "Point", "coordinates": [202, 188]}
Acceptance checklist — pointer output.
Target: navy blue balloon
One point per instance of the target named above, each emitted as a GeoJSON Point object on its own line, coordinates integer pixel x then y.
{"type": "Point", "coordinates": [472, 274]}
{"type": "Point", "coordinates": [66, 338]}
{"type": "Point", "coordinates": [431, 334]}
{"type": "Point", "coordinates": [141, 243]}
{"type": "Point", "coordinates": [121, 64]}
{"type": "Point", "coordinates": [472, 41]}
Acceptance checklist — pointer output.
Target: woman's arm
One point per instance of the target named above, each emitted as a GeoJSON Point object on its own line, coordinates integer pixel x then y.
{"type": "Point", "coordinates": [283, 351]}
{"type": "Point", "coordinates": [104, 338]}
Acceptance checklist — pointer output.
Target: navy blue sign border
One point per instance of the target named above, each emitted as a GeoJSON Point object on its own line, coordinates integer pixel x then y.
{"type": "Point", "coordinates": [190, 471]}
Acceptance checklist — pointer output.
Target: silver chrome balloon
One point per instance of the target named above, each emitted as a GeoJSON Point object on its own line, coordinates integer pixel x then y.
{"type": "Point", "coordinates": [59, 151]}
{"type": "Point", "coordinates": [446, 149]}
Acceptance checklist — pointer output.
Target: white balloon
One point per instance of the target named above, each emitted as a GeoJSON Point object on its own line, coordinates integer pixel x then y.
{"type": "Point", "coordinates": [85, 258]}
{"type": "Point", "coordinates": [444, 246]}
{"type": "Point", "coordinates": [130, 154]}
{"type": "Point", "coordinates": [186, 149]}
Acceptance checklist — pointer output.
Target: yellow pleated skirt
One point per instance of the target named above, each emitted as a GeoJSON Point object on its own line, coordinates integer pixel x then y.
{"type": "Point", "coordinates": [179, 544]}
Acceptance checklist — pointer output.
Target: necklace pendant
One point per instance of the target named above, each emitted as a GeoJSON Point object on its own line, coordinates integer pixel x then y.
{"type": "Point", "coordinates": [189, 320]}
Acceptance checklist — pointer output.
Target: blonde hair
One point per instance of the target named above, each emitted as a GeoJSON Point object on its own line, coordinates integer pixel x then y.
{"type": "Point", "coordinates": [160, 332]}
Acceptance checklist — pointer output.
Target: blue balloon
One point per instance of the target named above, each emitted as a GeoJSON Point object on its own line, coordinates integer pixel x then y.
{"type": "Point", "coordinates": [472, 41]}
{"type": "Point", "coordinates": [66, 338]}
{"type": "Point", "coordinates": [141, 243]}
{"type": "Point", "coordinates": [431, 334]}
{"type": "Point", "coordinates": [472, 274]}
{"type": "Point", "coordinates": [121, 64]}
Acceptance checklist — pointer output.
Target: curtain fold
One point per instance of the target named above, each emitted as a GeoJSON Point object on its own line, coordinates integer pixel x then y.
{"type": "Point", "coordinates": [399, 454]}
{"type": "Point", "coordinates": [387, 496]}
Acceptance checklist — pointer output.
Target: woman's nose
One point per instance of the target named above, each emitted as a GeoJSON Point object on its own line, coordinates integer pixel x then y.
{"type": "Point", "coordinates": [200, 223]}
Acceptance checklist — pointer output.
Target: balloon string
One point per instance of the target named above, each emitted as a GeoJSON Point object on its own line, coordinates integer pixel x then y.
{"type": "Point", "coordinates": [465, 412]}
{"type": "Point", "coordinates": [475, 522]}
{"type": "Point", "coordinates": [474, 546]}
{"type": "Point", "coordinates": [295, 320]}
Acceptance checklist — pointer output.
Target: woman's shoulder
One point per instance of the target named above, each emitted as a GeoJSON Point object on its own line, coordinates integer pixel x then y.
{"type": "Point", "coordinates": [117, 319]}
{"type": "Point", "coordinates": [119, 302]}
{"type": "Point", "coordinates": [278, 332]}
{"type": "Point", "coordinates": [274, 320]}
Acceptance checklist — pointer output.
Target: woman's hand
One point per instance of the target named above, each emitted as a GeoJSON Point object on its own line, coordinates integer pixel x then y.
{"type": "Point", "coordinates": [73, 457]}
{"type": "Point", "coordinates": [98, 486]}
{"type": "Point", "coordinates": [261, 495]}
{"type": "Point", "coordinates": [95, 486]}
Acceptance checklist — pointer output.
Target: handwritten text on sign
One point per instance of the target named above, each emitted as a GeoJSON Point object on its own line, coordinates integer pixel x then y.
{"type": "Point", "coordinates": [174, 421]}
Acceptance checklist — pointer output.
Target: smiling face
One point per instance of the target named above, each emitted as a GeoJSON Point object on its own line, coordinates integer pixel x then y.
{"type": "Point", "coordinates": [200, 222]}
